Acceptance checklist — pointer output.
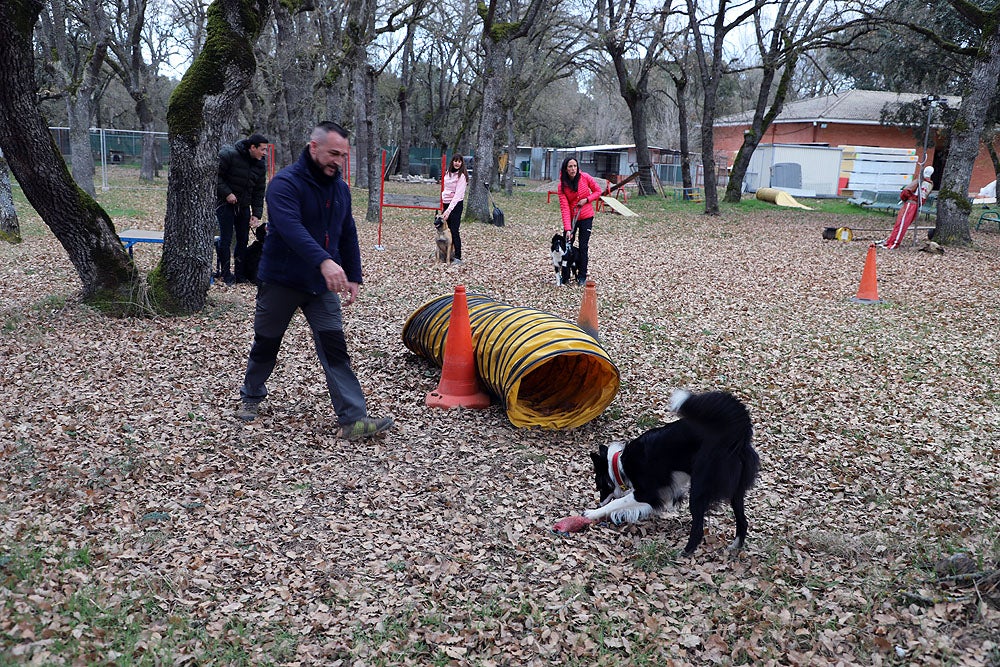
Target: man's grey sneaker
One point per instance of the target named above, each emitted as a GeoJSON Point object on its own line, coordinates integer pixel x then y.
{"type": "Point", "coordinates": [248, 411]}
{"type": "Point", "coordinates": [365, 428]}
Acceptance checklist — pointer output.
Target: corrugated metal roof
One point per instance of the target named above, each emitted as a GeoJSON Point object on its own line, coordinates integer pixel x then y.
{"type": "Point", "coordinates": [852, 106]}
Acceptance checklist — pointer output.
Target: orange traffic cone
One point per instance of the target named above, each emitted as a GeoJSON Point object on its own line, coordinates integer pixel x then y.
{"type": "Point", "coordinates": [459, 386]}
{"type": "Point", "coordinates": [588, 310]}
{"type": "Point", "coordinates": [868, 290]}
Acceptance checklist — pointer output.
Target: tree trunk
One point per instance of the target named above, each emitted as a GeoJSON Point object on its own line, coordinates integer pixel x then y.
{"type": "Point", "coordinates": [680, 83]}
{"type": "Point", "coordinates": [83, 101]}
{"type": "Point", "coordinates": [10, 228]}
{"type": "Point", "coordinates": [637, 111]}
{"type": "Point", "coordinates": [489, 119]}
{"type": "Point", "coordinates": [403, 99]}
{"type": "Point", "coordinates": [360, 120]}
{"type": "Point", "coordinates": [296, 79]}
{"type": "Point", "coordinates": [201, 107]}
{"type": "Point", "coordinates": [761, 121]}
{"type": "Point", "coordinates": [511, 152]}
{"type": "Point", "coordinates": [708, 154]}
{"type": "Point", "coordinates": [110, 281]}
{"type": "Point", "coordinates": [953, 202]}
{"type": "Point", "coordinates": [148, 166]}
{"type": "Point", "coordinates": [369, 170]}
{"type": "Point", "coordinates": [80, 110]}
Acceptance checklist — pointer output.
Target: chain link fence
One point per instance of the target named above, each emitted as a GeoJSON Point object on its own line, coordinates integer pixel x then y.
{"type": "Point", "coordinates": [118, 151]}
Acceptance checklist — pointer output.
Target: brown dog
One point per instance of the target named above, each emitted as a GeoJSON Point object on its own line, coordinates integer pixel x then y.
{"type": "Point", "coordinates": [442, 238]}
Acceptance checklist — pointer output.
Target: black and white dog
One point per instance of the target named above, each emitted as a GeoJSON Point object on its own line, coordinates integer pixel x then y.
{"type": "Point", "coordinates": [564, 260]}
{"type": "Point", "coordinates": [710, 447]}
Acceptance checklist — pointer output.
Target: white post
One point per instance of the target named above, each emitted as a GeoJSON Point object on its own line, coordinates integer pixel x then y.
{"type": "Point", "coordinates": [104, 161]}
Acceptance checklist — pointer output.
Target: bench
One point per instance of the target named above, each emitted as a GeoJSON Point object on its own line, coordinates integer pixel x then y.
{"type": "Point", "coordinates": [130, 237]}
{"type": "Point", "coordinates": [988, 216]}
{"type": "Point", "coordinates": [929, 207]}
{"type": "Point", "coordinates": [863, 198]}
{"type": "Point", "coordinates": [885, 201]}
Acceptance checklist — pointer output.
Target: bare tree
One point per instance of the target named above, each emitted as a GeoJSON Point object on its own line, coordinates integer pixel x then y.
{"type": "Point", "coordinates": [137, 31]}
{"type": "Point", "coordinates": [553, 49]}
{"type": "Point", "coordinates": [200, 114]}
{"type": "Point", "coordinates": [676, 69]}
{"type": "Point", "coordinates": [968, 130]}
{"type": "Point", "coordinates": [441, 97]}
{"type": "Point", "coordinates": [190, 22]}
{"type": "Point", "coordinates": [495, 43]}
{"type": "Point", "coordinates": [797, 26]}
{"type": "Point", "coordinates": [635, 40]}
{"type": "Point", "coordinates": [76, 36]}
{"type": "Point", "coordinates": [708, 32]}
{"type": "Point", "coordinates": [295, 76]}
{"type": "Point", "coordinates": [10, 229]}
{"type": "Point", "coordinates": [406, 80]}
{"type": "Point", "coordinates": [362, 29]}
{"type": "Point", "coordinates": [110, 280]}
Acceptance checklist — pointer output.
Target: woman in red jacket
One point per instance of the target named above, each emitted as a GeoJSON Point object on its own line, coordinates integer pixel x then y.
{"type": "Point", "coordinates": [578, 190]}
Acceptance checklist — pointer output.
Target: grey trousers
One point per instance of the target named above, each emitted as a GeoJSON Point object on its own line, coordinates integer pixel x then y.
{"type": "Point", "coordinates": [275, 307]}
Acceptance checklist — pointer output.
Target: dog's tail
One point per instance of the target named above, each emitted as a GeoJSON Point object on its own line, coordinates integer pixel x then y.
{"type": "Point", "coordinates": [723, 420]}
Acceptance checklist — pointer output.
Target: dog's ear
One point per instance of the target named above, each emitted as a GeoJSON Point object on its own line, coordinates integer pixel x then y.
{"type": "Point", "coordinates": [600, 457]}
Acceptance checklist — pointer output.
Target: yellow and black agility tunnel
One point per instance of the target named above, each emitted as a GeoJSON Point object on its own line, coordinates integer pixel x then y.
{"type": "Point", "coordinates": [548, 372]}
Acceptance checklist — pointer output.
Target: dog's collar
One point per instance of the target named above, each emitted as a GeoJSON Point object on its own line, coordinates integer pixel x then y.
{"type": "Point", "coordinates": [615, 468]}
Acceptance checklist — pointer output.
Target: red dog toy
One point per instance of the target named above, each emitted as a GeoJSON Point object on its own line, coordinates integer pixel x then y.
{"type": "Point", "coordinates": [572, 524]}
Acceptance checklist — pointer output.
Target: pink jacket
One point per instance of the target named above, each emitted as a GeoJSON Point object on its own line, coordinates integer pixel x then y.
{"type": "Point", "coordinates": [453, 191]}
{"type": "Point", "coordinates": [588, 190]}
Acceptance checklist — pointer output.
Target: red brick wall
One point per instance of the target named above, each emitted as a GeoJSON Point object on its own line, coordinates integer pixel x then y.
{"type": "Point", "coordinates": [729, 139]}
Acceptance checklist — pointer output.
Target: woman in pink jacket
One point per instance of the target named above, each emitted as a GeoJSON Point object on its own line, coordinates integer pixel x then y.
{"type": "Point", "coordinates": [452, 198]}
{"type": "Point", "coordinates": [578, 190]}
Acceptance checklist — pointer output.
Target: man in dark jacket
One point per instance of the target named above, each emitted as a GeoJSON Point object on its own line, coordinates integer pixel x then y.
{"type": "Point", "coordinates": [311, 261]}
{"type": "Point", "coordinates": [239, 200]}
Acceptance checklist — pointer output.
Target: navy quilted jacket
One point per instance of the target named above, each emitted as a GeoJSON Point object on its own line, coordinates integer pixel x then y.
{"type": "Point", "coordinates": [308, 221]}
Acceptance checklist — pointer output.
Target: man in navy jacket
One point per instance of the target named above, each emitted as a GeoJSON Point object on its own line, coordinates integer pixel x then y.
{"type": "Point", "coordinates": [311, 257]}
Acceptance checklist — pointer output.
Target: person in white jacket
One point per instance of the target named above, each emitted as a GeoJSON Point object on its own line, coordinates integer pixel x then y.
{"type": "Point", "coordinates": [452, 199]}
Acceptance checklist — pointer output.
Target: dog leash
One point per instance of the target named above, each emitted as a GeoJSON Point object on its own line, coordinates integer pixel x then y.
{"type": "Point", "coordinates": [572, 226]}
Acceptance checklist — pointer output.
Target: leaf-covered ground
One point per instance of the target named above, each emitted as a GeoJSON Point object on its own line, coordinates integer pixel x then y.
{"type": "Point", "coordinates": [141, 523]}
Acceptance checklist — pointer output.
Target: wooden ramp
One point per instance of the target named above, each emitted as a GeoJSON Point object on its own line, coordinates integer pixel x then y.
{"type": "Point", "coordinates": [619, 207]}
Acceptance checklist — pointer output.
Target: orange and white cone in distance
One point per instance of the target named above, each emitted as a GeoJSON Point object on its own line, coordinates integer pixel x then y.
{"type": "Point", "coordinates": [868, 289]}
{"type": "Point", "coordinates": [588, 310]}
{"type": "Point", "coordinates": [459, 386]}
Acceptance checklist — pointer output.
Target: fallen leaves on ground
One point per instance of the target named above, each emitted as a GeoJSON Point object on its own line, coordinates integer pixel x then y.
{"type": "Point", "coordinates": [141, 520]}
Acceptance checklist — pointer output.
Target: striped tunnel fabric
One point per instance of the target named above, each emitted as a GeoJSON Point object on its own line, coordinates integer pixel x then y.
{"type": "Point", "coordinates": [547, 371]}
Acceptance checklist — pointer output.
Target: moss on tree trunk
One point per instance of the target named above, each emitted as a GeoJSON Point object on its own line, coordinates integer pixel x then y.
{"type": "Point", "coordinates": [199, 120]}
{"type": "Point", "coordinates": [109, 279]}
